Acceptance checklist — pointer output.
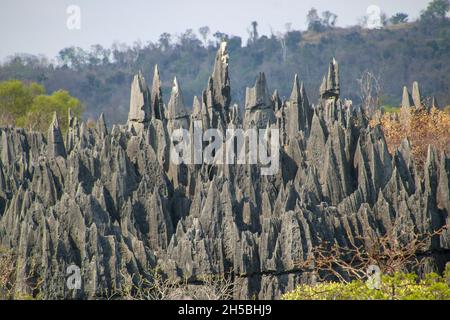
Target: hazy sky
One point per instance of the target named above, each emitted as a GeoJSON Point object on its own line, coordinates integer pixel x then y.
{"type": "Point", "coordinates": [40, 26]}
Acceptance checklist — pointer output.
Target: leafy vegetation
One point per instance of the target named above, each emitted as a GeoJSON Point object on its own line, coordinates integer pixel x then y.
{"type": "Point", "coordinates": [26, 105]}
{"type": "Point", "coordinates": [436, 9]}
{"type": "Point", "coordinates": [342, 273]}
{"type": "Point", "coordinates": [399, 286]}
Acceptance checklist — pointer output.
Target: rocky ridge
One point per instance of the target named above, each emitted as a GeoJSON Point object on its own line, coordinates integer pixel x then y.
{"type": "Point", "coordinates": [111, 202]}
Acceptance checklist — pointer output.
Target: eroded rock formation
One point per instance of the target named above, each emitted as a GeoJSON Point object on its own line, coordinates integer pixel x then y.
{"type": "Point", "coordinates": [111, 202]}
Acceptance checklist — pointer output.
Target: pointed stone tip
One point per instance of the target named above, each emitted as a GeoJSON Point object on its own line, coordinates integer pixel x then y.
{"type": "Point", "coordinates": [223, 47]}
{"type": "Point", "coordinates": [140, 79]}
{"type": "Point", "coordinates": [70, 115]}
{"type": "Point", "coordinates": [55, 123]}
{"type": "Point", "coordinates": [434, 103]}
{"type": "Point", "coordinates": [175, 84]}
{"type": "Point", "coordinates": [155, 73]}
{"type": "Point", "coordinates": [261, 78]}
{"type": "Point", "coordinates": [295, 93]}
{"type": "Point", "coordinates": [196, 106]}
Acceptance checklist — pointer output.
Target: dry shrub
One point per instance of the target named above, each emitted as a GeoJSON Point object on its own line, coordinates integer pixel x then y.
{"type": "Point", "coordinates": [160, 287]}
{"type": "Point", "coordinates": [422, 127]}
{"type": "Point", "coordinates": [7, 273]}
{"type": "Point", "coordinates": [399, 250]}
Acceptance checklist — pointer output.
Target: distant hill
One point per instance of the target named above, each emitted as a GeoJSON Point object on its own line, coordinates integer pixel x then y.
{"type": "Point", "coordinates": [397, 54]}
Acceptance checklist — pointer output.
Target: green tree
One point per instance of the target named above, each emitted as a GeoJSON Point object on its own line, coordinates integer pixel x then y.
{"type": "Point", "coordinates": [204, 32]}
{"type": "Point", "coordinates": [220, 36]}
{"type": "Point", "coordinates": [27, 105]}
{"type": "Point", "coordinates": [41, 112]}
{"type": "Point", "coordinates": [16, 99]}
{"type": "Point", "coordinates": [314, 22]}
{"type": "Point", "coordinates": [399, 286]}
{"type": "Point", "coordinates": [164, 41]}
{"type": "Point", "coordinates": [74, 57]}
{"type": "Point", "coordinates": [317, 24]}
{"type": "Point", "coordinates": [253, 32]}
{"type": "Point", "coordinates": [436, 9]}
{"type": "Point", "coordinates": [329, 19]}
{"type": "Point", "coordinates": [399, 18]}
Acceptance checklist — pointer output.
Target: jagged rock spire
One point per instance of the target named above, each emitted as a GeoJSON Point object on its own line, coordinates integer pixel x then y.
{"type": "Point", "coordinates": [258, 96]}
{"type": "Point", "coordinates": [305, 100]}
{"type": "Point", "coordinates": [258, 104]}
{"type": "Point", "coordinates": [337, 183]}
{"type": "Point", "coordinates": [417, 99]}
{"type": "Point", "coordinates": [176, 108]}
{"type": "Point", "coordinates": [277, 103]}
{"type": "Point", "coordinates": [295, 93]}
{"type": "Point", "coordinates": [406, 98]}
{"type": "Point", "coordinates": [434, 103]}
{"type": "Point", "coordinates": [299, 115]}
{"type": "Point", "coordinates": [55, 139]}
{"type": "Point", "coordinates": [176, 111]}
{"type": "Point", "coordinates": [101, 126]}
{"type": "Point", "coordinates": [196, 109]}
{"type": "Point", "coordinates": [140, 111]}
{"type": "Point", "coordinates": [221, 80]}
{"type": "Point", "coordinates": [157, 104]}
{"type": "Point", "coordinates": [73, 131]}
{"type": "Point", "coordinates": [217, 95]}
{"type": "Point", "coordinates": [330, 84]}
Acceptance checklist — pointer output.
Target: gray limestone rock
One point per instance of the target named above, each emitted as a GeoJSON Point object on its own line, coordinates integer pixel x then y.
{"type": "Point", "coordinates": [55, 139]}
{"type": "Point", "coordinates": [330, 85]}
{"type": "Point", "coordinates": [112, 203]}
{"type": "Point", "coordinates": [140, 111]}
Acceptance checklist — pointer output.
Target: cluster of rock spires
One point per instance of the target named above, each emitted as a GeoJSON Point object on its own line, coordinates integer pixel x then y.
{"type": "Point", "coordinates": [112, 203]}
{"type": "Point", "coordinates": [415, 99]}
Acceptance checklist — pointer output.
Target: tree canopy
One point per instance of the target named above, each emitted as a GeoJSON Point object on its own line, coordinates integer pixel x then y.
{"type": "Point", "coordinates": [27, 105]}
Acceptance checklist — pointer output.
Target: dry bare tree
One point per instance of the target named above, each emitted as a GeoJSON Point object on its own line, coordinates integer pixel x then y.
{"type": "Point", "coordinates": [160, 287]}
{"type": "Point", "coordinates": [370, 91]}
{"type": "Point", "coordinates": [388, 252]}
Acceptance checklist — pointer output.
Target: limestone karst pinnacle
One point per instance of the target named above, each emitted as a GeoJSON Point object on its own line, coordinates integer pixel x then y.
{"type": "Point", "coordinates": [55, 139]}
{"type": "Point", "coordinates": [140, 111]}
{"type": "Point", "coordinates": [258, 104]}
{"type": "Point", "coordinates": [299, 112]}
{"type": "Point", "coordinates": [416, 97]}
{"type": "Point", "coordinates": [407, 101]}
{"type": "Point", "coordinates": [217, 95]}
{"type": "Point", "coordinates": [330, 85]}
{"type": "Point", "coordinates": [177, 115]}
{"type": "Point", "coordinates": [157, 105]}
{"type": "Point", "coordinates": [109, 201]}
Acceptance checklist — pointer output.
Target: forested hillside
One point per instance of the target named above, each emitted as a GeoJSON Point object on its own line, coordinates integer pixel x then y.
{"type": "Point", "coordinates": [395, 55]}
